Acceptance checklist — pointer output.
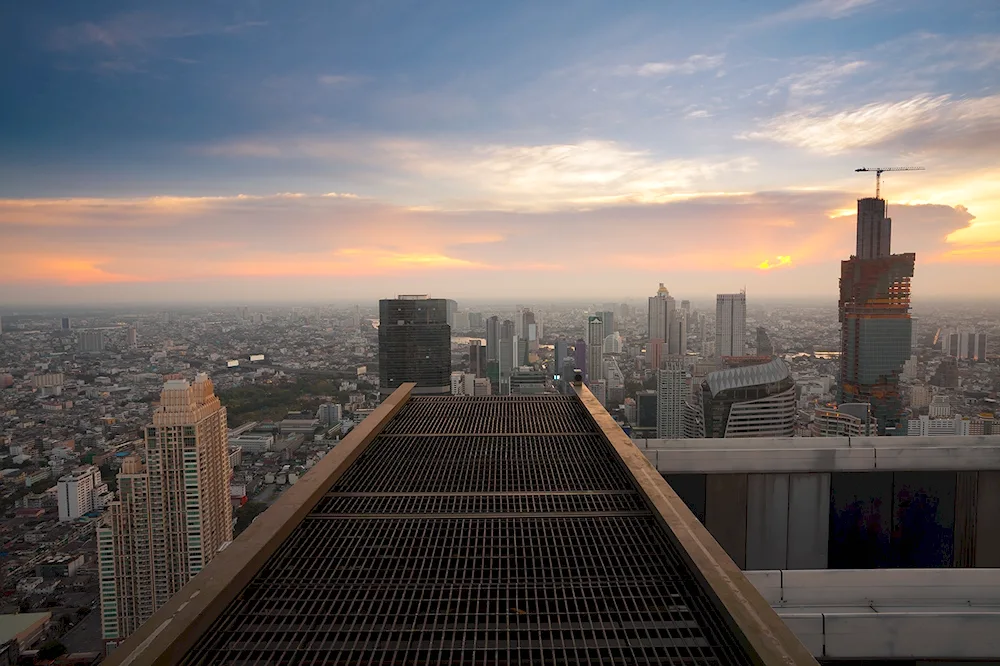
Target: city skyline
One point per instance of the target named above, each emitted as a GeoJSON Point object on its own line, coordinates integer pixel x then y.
{"type": "Point", "coordinates": [192, 153]}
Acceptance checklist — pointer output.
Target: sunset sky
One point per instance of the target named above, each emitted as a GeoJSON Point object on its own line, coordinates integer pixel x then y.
{"type": "Point", "coordinates": [240, 151]}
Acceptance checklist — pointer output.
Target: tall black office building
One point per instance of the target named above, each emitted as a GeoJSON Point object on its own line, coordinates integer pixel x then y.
{"type": "Point", "coordinates": [414, 345]}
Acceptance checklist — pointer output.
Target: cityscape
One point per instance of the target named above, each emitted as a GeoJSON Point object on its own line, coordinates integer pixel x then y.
{"type": "Point", "coordinates": [439, 352]}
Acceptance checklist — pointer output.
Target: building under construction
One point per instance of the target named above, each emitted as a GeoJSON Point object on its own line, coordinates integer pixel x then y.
{"type": "Point", "coordinates": [876, 329]}
{"type": "Point", "coordinates": [464, 530]}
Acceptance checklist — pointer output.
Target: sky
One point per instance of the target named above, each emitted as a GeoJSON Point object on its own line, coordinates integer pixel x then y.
{"type": "Point", "coordinates": [243, 151]}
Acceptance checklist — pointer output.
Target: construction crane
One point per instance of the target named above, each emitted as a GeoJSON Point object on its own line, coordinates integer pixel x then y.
{"type": "Point", "coordinates": [880, 170]}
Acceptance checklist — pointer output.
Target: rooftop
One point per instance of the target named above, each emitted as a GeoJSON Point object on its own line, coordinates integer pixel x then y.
{"type": "Point", "coordinates": [473, 530]}
{"type": "Point", "coordinates": [746, 376]}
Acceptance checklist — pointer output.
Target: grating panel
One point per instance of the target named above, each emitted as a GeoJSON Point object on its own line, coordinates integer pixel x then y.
{"type": "Point", "coordinates": [445, 503]}
{"type": "Point", "coordinates": [484, 463]}
{"type": "Point", "coordinates": [493, 415]}
{"type": "Point", "coordinates": [474, 546]}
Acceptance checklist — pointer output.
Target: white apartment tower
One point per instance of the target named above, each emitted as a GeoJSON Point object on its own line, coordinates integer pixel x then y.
{"type": "Point", "coordinates": [173, 513]}
{"type": "Point", "coordinates": [730, 324]}
{"type": "Point", "coordinates": [671, 393]}
{"type": "Point", "coordinates": [79, 492]}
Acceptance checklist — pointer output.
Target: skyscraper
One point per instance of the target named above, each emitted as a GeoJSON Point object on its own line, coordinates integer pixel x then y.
{"type": "Point", "coordinates": [730, 324]}
{"type": "Point", "coordinates": [671, 392]}
{"type": "Point", "coordinates": [580, 355]}
{"type": "Point", "coordinates": [67, 323]}
{"type": "Point", "coordinates": [876, 330]}
{"type": "Point", "coordinates": [509, 355]}
{"type": "Point", "coordinates": [595, 348]}
{"type": "Point", "coordinates": [414, 344]}
{"type": "Point", "coordinates": [678, 334]}
{"type": "Point", "coordinates": [608, 317]}
{"type": "Point", "coordinates": [661, 313]}
{"type": "Point", "coordinates": [131, 338]}
{"type": "Point", "coordinates": [492, 338]}
{"type": "Point", "coordinates": [874, 229]}
{"type": "Point", "coordinates": [477, 358]}
{"type": "Point", "coordinates": [764, 346]}
{"type": "Point", "coordinates": [559, 353]}
{"type": "Point", "coordinates": [173, 513]}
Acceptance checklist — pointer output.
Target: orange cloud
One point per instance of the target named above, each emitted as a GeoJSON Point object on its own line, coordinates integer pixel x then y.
{"type": "Point", "coordinates": [780, 260]}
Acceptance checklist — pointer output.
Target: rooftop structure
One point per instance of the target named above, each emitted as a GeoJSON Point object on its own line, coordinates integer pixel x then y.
{"type": "Point", "coordinates": [749, 401]}
{"type": "Point", "coordinates": [473, 530]}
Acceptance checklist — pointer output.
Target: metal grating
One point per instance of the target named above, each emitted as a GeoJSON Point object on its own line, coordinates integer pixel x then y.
{"type": "Point", "coordinates": [498, 463]}
{"type": "Point", "coordinates": [476, 547]}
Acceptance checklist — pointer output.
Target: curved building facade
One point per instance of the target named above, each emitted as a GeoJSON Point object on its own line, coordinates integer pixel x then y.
{"type": "Point", "coordinates": [749, 401]}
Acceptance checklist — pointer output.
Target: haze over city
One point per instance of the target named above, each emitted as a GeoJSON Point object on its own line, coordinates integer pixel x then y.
{"type": "Point", "coordinates": [204, 152]}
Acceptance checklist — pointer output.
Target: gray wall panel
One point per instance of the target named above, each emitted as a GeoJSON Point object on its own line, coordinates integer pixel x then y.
{"type": "Point", "coordinates": [808, 520]}
{"type": "Point", "coordinates": [767, 521]}
{"type": "Point", "coordinates": [988, 520]}
{"type": "Point", "coordinates": [691, 489]}
{"type": "Point", "coordinates": [966, 493]}
{"type": "Point", "coordinates": [726, 513]}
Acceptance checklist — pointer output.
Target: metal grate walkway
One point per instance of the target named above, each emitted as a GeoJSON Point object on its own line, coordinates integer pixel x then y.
{"type": "Point", "coordinates": [476, 531]}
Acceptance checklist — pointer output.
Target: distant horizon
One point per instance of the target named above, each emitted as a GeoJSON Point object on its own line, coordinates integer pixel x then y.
{"type": "Point", "coordinates": [464, 304]}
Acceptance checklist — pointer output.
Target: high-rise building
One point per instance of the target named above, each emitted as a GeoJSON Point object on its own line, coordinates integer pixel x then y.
{"type": "Point", "coordinates": [645, 414]}
{"type": "Point", "coordinates": [671, 392]}
{"type": "Point", "coordinates": [595, 348]}
{"type": "Point", "coordinates": [613, 343]}
{"type": "Point", "coordinates": [580, 355]}
{"type": "Point", "coordinates": [414, 344]}
{"type": "Point", "coordinates": [749, 401]}
{"type": "Point", "coordinates": [509, 351]}
{"type": "Point", "coordinates": [730, 324]}
{"type": "Point", "coordinates": [131, 337]}
{"type": "Point", "coordinates": [457, 381]}
{"type": "Point", "coordinates": [493, 338]}
{"type": "Point", "coordinates": [79, 492]}
{"type": "Point", "coordinates": [963, 345]}
{"type": "Point", "coordinates": [477, 358]}
{"type": "Point", "coordinates": [67, 323]}
{"type": "Point", "coordinates": [560, 352]}
{"type": "Point", "coordinates": [764, 346]}
{"type": "Point", "coordinates": [528, 326]}
{"type": "Point", "coordinates": [874, 229]}
{"type": "Point", "coordinates": [173, 514]}
{"type": "Point", "coordinates": [608, 317]}
{"type": "Point", "coordinates": [330, 413]}
{"type": "Point", "coordinates": [90, 341]}
{"type": "Point", "coordinates": [686, 307]}
{"type": "Point", "coordinates": [876, 330]}
{"type": "Point", "coordinates": [476, 322]}
{"type": "Point", "coordinates": [662, 309]}
{"type": "Point", "coordinates": [678, 334]}
{"type": "Point", "coordinates": [451, 307]}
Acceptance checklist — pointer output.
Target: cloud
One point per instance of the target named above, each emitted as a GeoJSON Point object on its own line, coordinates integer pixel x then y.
{"type": "Point", "coordinates": [780, 260]}
{"type": "Point", "coordinates": [167, 242]}
{"type": "Point", "coordinates": [819, 79]}
{"type": "Point", "coordinates": [690, 65]}
{"type": "Point", "coordinates": [544, 176]}
{"type": "Point", "coordinates": [132, 37]}
{"type": "Point", "coordinates": [817, 10]}
{"type": "Point", "coordinates": [940, 119]}
{"type": "Point", "coordinates": [334, 80]}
